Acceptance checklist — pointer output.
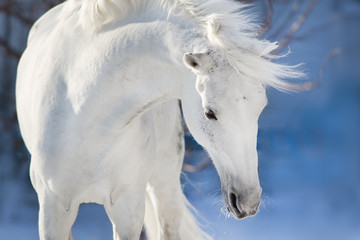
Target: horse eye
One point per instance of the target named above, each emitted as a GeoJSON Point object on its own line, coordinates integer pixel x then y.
{"type": "Point", "coordinates": [210, 114]}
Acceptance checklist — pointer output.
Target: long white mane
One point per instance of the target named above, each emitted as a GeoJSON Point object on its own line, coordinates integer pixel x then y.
{"type": "Point", "coordinates": [227, 24]}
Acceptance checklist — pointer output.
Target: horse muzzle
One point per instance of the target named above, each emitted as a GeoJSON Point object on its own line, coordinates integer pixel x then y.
{"type": "Point", "coordinates": [242, 203]}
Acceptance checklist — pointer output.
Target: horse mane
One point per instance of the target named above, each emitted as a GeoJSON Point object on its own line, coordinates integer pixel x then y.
{"type": "Point", "coordinates": [228, 25]}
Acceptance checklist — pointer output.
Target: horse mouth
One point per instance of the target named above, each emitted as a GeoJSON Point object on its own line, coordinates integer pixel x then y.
{"type": "Point", "coordinates": [241, 214]}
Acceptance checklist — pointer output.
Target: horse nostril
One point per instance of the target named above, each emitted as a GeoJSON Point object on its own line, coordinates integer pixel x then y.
{"type": "Point", "coordinates": [236, 207]}
{"type": "Point", "coordinates": [233, 200]}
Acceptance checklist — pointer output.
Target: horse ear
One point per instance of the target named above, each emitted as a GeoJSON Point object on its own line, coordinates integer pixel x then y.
{"type": "Point", "coordinates": [196, 61]}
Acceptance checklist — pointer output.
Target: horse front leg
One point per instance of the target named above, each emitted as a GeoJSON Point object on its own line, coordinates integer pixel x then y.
{"type": "Point", "coordinates": [172, 209]}
{"type": "Point", "coordinates": [165, 189]}
{"type": "Point", "coordinates": [56, 217]}
{"type": "Point", "coordinates": [169, 206]}
{"type": "Point", "coordinates": [167, 193]}
{"type": "Point", "coordinates": [126, 212]}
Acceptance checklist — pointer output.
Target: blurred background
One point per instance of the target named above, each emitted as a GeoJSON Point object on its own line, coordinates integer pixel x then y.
{"type": "Point", "coordinates": [308, 142]}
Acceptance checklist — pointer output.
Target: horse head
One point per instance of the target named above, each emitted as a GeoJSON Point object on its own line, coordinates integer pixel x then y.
{"type": "Point", "coordinates": [222, 115]}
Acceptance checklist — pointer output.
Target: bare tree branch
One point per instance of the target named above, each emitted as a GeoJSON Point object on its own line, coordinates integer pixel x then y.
{"type": "Point", "coordinates": [332, 53]}
{"type": "Point", "coordinates": [288, 19]}
{"type": "Point", "coordinates": [9, 49]}
{"type": "Point", "coordinates": [6, 4]}
{"type": "Point", "coordinates": [268, 21]}
{"type": "Point", "coordinates": [308, 86]}
{"type": "Point", "coordinates": [20, 17]}
{"type": "Point", "coordinates": [11, 9]}
{"type": "Point", "coordinates": [295, 26]}
{"type": "Point", "coordinates": [322, 27]}
{"type": "Point", "coordinates": [197, 168]}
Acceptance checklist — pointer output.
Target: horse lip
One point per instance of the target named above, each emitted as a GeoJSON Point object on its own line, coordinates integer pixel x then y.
{"type": "Point", "coordinates": [237, 214]}
{"type": "Point", "coordinates": [241, 215]}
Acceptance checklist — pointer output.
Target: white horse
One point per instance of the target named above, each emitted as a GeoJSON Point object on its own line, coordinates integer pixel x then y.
{"type": "Point", "coordinates": [97, 93]}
